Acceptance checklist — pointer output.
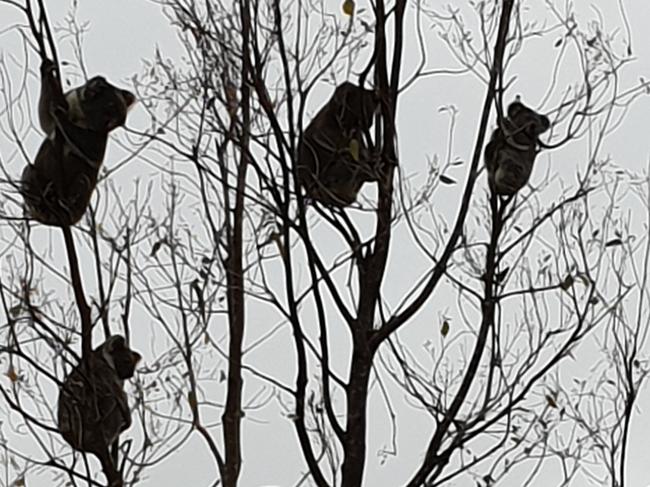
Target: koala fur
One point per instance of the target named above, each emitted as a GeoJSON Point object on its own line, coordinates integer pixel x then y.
{"type": "Point", "coordinates": [93, 408]}
{"type": "Point", "coordinates": [58, 186]}
{"type": "Point", "coordinates": [333, 157]}
{"type": "Point", "coordinates": [511, 152]}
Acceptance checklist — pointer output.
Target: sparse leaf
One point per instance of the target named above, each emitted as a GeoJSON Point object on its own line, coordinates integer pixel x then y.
{"type": "Point", "coordinates": [15, 310]}
{"type": "Point", "coordinates": [447, 180]}
{"type": "Point", "coordinates": [500, 276]}
{"type": "Point", "coordinates": [191, 398]}
{"type": "Point", "coordinates": [614, 242]}
{"type": "Point", "coordinates": [567, 283]}
{"type": "Point", "coordinates": [155, 248]}
{"type": "Point", "coordinates": [444, 329]}
{"type": "Point", "coordinates": [277, 238]}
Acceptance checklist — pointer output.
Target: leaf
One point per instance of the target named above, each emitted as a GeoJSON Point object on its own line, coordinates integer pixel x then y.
{"type": "Point", "coordinates": [348, 7]}
{"type": "Point", "coordinates": [191, 398]}
{"type": "Point", "coordinates": [558, 43]}
{"type": "Point", "coordinates": [444, 329]}
{"type": "Point", "coordinates": [500, 276]}
{"type": "Point", "coordinates": [12, 375]}
{"type": "Point", "coordinates": [354, 149]}
{"type": "Point", "coordinates": [155, 248]}
{"type": "Point", "coordinates": [446, 180]}
{"type": "Point", "coordinates": [614, 242]}
{"type": "Point", "coordinates": [551, 401]}
{"type": "Point", "coordinates": [277, 238]}
{"type": "Point", "coordinates": [567, 283]}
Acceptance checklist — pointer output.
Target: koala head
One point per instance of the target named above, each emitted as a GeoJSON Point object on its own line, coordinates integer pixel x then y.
{"type": "Point", "coordinates": [120, 357]}
{"type": "Point", "coordinates": [527, 121]}
{"type": "Point", "coordinates": [99, 106]}
{"type": "Point", "coordinates": [354, 106]}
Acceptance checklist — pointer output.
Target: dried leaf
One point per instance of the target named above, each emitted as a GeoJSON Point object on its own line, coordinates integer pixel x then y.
{"type": "Point", "coordinates": [348, 7]}
{"type": "Point", "coordinates": [551, 401]}
{"type": "Point", "coordinates": [11, 374]}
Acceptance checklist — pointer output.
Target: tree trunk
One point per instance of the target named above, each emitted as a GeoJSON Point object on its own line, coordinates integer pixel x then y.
{"type": "Point", "coordinates": [355, 434]}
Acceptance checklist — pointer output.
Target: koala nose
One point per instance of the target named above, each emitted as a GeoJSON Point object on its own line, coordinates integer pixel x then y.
{"type": "Point", "coordinates": [128, 97]}
{"type": "Point", "coordinates": [135, 357]}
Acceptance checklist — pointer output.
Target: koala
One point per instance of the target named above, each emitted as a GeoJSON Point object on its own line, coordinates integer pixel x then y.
{"type": "Point", "coordinates": [333, 157]}
{"type": "Point", "coordinates": [57, 187]}
{"type": "Point", "coordinates": [93, 408]}
{"type": "Point", "coordinates": [511, 152]}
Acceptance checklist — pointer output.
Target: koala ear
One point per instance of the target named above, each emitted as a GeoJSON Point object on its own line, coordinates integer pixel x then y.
{"type": "Point", "coordinates": [135, 357]}
{"type": "Point", "coordinates": [128, 97]}
{"type": "Point", "coordinates": [94, 87]}
{"type": "Point", "coordinates": [514, 109]}
{"type": "Point", "coordinates": [114, 343]}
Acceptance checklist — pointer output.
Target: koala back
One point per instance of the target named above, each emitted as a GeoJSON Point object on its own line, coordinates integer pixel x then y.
{"type": "Point", "coordinates": [333, 158]}
{"type": "Point", "coordinates": [93, 408]}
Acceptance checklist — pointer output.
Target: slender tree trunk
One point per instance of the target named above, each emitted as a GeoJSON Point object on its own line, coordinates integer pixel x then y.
{"type": "Point", "coordinates": [235, 278]}
{"type": "Point", "coordinates": [357, 402]}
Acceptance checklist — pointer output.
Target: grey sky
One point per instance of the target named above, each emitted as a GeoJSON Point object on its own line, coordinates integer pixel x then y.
{"type": "Point", "coordinates": [123, 33]}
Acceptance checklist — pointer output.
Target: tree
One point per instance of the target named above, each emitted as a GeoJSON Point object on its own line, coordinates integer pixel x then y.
{"type": "Point", "coordinates": [233, 266]}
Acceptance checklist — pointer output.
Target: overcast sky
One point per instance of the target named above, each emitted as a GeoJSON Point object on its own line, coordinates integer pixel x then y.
{"type": "Point", "coordinates": [123, 33]}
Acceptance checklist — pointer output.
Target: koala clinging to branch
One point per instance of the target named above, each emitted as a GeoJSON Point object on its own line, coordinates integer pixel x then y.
{"type": "Point", "coordinates": [333, 157]}
{"type": "Point", "coordinates": [511, 152]}
{"type": "Point", "coordinates": [93, 408]}
{"type": "Point", "coordinates": [57, 187]}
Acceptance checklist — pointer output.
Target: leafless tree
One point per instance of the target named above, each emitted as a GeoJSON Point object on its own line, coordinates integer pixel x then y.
{"type": "Point", "coordinates": [256, 297]}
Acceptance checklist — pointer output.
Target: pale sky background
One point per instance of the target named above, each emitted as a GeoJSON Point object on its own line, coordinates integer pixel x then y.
{"type": "Point", "coordinates": [123, 33]}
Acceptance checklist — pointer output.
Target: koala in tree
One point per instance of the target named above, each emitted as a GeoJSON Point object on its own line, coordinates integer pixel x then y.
{"type": "Point", "coordinates": [57, 187]}
{"type": "Point", "coordinates": [93, 408]}
{"type": "Point", "coordinates": [511, 152]}
{"type": "Point", "coordinates": [333, 157]}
